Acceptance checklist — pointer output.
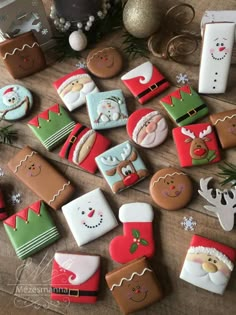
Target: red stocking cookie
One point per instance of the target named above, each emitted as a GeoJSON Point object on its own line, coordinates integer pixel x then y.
{"type": "Point", "coordinates": [137, 240]}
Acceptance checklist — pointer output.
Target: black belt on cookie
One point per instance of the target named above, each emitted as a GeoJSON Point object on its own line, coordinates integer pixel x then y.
{"type": "Point", "coordinates": [76, 293]}
{"type": "Point", "coordinates": [191, 113]}
{"type": "Point", "coordinates": [72, 141]}
{"type": "Point", "coordinates": [151, 88]}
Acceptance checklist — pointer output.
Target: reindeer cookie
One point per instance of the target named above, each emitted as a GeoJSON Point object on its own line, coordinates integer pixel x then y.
{"type": "Point", "coordinates": [121, 167]}
{"type": "Point", "coordinates": [196, 145]}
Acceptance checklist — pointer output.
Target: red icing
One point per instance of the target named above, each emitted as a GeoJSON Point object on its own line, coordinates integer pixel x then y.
{"type": "Point", "coordinates": [44, 115]}
{"type": "Point", "coordinates": [176, 94]}
{"type": "Point", "coordinates": [130, 179]}
{"type": "Point", "coordinates": [58, 83]}
{"type": "Point", "coordinates": [199, 152]}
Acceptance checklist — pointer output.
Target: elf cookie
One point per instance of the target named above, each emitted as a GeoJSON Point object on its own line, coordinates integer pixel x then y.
{"type": "Point", "coordinates": [171, 189]}
{"type": "Point", "coordinates": [22, 55]}
{"type": "Point", "coordinates": [15, 102]}
{"type": "Point", "coordinates": [196, 145]}
{"type": "Point", "coordinates": [105, 63]}
{"type": "Point", "coordinates": [3, 213]}
{"type": "Point", "coordinates": [31, 229]}
{"type": "Point", "coordinates": [122, 167]}
{"type": "Point", "coordinates": [43, 179]}
{"type": "Point", "coordinates": [138, 239]}
{"type": "Point", "coordinates": [75, 278]}
{"type": "Point", "coordinates": [82, 146]}
{"type": "Point", "coordinates": [225, 125]}
{"type": "Point", "coordinates": [147, 127]}
{"type": "Point", "coordinates": [73, 88]}
{"type": "Point", "coordinates": [184, 106]}
{"type": "Point", "coordinates": [145, 82]}
{"type": "Point", "coordinates": [89, 217]}
{"type": "Point", "coordinates": [107, 109]}
{"type": "Point", "coordinates": [134, 286]}
{"type": "Point", "coordinates": [208, 264]}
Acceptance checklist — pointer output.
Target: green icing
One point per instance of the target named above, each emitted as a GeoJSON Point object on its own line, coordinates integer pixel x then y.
{"type": "Point", "coordinates": [210, 157]}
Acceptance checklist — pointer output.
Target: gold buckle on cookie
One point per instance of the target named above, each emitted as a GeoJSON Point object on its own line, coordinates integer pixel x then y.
{"type": "Point", "coordinates": [153, 87]}
{"type": "Point", "coordinates": [76, 295]}
{"type": "Point", "coordinates": [73, 139]}
{"type": "Point", "coordinates": [192, 112]}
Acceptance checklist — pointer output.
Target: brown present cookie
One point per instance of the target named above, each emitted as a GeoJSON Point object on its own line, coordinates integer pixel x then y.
{"type": "Point", "coordinates": [225, 125]}
{"type": "Point", "coordinates": [22, 55]}
{"type": "Point", "coordinates": [43, 179]}
{"type": "Point", "coordinates": [134, 285]}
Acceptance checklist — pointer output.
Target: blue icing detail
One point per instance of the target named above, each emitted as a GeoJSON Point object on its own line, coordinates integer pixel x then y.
{"type": "Point", "coordinates": [15, 102]}
{"type": "Point", "coordinates": [107, 109]}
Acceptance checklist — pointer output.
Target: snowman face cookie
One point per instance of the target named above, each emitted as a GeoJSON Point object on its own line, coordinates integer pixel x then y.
{"type": "Point", "coordinates": [89, 217]}
{"type": "Point", "coordinates": [171, 189]}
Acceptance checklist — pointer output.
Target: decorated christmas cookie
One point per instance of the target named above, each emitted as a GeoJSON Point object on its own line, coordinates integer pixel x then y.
{"type": "Point", "coordinates": [22, 55]}
{"type": "Point", "coordinates": [3, 213]}
{"type": "Point", "coordinates": [121, 166]}
{"type": "Point", "coordinates": [105, 63]}
{"type": "Point", "coordinates": [184, 105]}
{"type": "Point", "coordinates": [82, 146]}
{"type": "Point", "coordinates": [208, 264]}
{"type": "Point", "coordinates": [145, 82]}
{"type": "Point", "coordinates": [107, 109]}
{"type": "Point", "coordinates": [31, 229]}
{"type": "Point", "coordinates": [52, 126]}
{"type": "Point", "coordinates": [75, 278]}
{"type": "Point", "coordinates": [89, 217]}
{"type": "Point", "coordinates": [134, 286]}
{"type": "Point", "coordinates": [171, 189]}
{"type": "Point", "coordinates": [15, 102]}
{"type": "Point", "coordinates": [196, 145]}
{"type": "Point", "coordinates": [43, 179]}
{"type": "Point", "coordinates": [138, 239]}
{"type": "Point", "coordinates": [73, 88]}
{"type": "Point", "coordinates": [147, 127]}
{"type": "Point", "coordinates": [225, 125]}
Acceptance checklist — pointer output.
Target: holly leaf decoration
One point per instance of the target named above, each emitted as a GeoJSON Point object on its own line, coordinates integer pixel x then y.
{"type": "Point", "coordinates": [133, 248]}
{"type": "Point", "coordinates": [144, 242]}
{"type": "Point", "coordinates": [135, 233]}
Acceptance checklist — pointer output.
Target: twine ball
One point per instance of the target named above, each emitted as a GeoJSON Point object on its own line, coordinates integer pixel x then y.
{"type": "Point", "coordinates": [78, 40]}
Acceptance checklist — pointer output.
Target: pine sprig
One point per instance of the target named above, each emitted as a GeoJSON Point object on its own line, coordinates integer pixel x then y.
{"type": "Point", "coordinates": [228, 172]}
{"type": "Point", "coordinates": [7, 135]}
{"type": "Point", "coordinates": [134, 46]}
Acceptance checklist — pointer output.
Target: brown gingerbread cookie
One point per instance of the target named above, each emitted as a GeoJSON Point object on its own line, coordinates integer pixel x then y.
{"type": "Point", "coordinates": [105, 63]}
{"type": "Point", "coordinates": [171, 189]}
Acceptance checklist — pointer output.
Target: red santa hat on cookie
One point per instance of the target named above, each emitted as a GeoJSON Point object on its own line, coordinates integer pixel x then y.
{"type": "Point", "coordinates": [202, 245]}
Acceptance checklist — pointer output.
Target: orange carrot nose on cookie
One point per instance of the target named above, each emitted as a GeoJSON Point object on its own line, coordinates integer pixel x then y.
{"type": "Point", "coordinates": [91, 213]}
{"type": "Point", "coordinates": [221, 48]}
{"type": "Point", "coordinates": [172, 187]}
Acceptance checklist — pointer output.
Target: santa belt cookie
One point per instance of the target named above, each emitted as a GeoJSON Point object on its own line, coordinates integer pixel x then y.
{"type": "Point", "coordinates": [77, 293]}
{"type": "Point", "coordinates": [191, 113]}
{"type": "Point", "coordinates": [151, 88]}
{"type": "Point", "coordinates": [73, 140]}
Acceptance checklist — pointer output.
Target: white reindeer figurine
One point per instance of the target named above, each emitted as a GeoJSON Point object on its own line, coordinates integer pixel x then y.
{"type": "Point", "coordinates": [223, 203]}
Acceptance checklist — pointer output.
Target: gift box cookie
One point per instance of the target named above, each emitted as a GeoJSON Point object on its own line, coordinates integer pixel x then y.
{"type": "Point", "coordinates": [121, 166]}
{"type": "Point", "coordinates": [22, 55]}
{"type": "Point", "coordinates": [89, 217]}
{"type": "Point", "coordinates": [107, 109]}
{"type": "Point", "coordinates": [145, 82]}
{"type": "Point", "coordinates": [31, 229]}
{"type": "Point", "coordinates": [52, 126]}
{"type": "Point", "coordinates": [75, 278]}
{"type": "Point", "coordinates": [225, 126]}
{"type": "Point", "coordinates": [73, 88]}
{"type": "Point", "coordinates": [208, 264]}
{"type": "Point", "coordinates": [138, 239]}
{"type": "Point", "coordinates": [82, 146]}
{"type": "Point", "coordinates": [42, 178]}
{"type": "Point", "coordinates": [134, 286]}
{"type": "Point", "coordinates": [3, 213]}
{"type": "Point", "coordinates": [196, 145]}
{"type": "Point", "coordinates": [184, 106]}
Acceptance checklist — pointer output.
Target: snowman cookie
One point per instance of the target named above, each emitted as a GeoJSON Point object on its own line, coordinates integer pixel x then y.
{"type": "Point", "coordinates": [15, 102]}
{"type": "Point", "coordinates": [171, 189]}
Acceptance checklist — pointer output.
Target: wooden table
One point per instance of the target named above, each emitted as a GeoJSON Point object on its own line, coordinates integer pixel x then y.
{"type": "Point", "coordinates": [171, 239]}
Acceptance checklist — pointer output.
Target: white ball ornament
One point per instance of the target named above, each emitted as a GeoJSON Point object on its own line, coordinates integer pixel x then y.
{"type": "Point", "coordinates": [78, 40]}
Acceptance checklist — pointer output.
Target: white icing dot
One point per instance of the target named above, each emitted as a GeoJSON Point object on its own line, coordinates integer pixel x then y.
{"type": "Point", "coordinates": [91, 18]}
{"type": "Point", "coordinates": [79, 25]}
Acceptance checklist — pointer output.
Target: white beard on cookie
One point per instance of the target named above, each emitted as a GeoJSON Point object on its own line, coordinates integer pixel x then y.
{"type": "Point", "coordinates": [157, 136]}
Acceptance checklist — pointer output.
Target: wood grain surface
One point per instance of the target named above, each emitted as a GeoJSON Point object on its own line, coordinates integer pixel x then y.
{"type": "Point", "coordinates": [172, 241]}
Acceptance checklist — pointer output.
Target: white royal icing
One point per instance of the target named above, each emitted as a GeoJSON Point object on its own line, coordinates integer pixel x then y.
{"type": "Point", "coordinates": [136, 212]}
{"type": "Point", "coordinates": [223, 119]}
{"type": "Point", "coordinates": [20, 49]}
{"type": "Point", "coordinates": [144, 71]}
{"type": "Point", "coordinates": [22, 161]}
{"type": "Point", "coordinates": [164, 177]}
{"type": "Point", "coordinates": [80, 144]}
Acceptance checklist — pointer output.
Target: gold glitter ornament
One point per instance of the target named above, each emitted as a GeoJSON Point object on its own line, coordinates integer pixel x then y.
{"type": "Point", "coordinates": [141, 18]}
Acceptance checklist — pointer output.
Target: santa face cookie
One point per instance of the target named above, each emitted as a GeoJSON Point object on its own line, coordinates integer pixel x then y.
{"type": "Point", "coordinates": [73, 88]}
{"type": "Point", "coordinates": [89, 217]}
{"type": "Point", "coordinates": [107, 109]}
{"type": "Point", "coordinates": [122, 167]}
{"type": "Point", "coordinates": [15, 102]}
{"type": "Point", "coordinates": [134, 286]}
{"type": "Point", "coordinates": [147, 127]}
{"type": "Point", "coordinates": [208, 264]}
{"type": "Point", "coordinates": [75, 278]}
{"type": "Point", "coordinates": [171, 189]}
{"type": "Point", "coordinates": [105, 63]}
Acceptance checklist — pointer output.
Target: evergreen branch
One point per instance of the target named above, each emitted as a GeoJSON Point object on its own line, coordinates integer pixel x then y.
{"type": "Point", "coordinates": [7, 136]}
{"type": "Point", "coordinates": [228, 172]}
{"type": "Point", "coordinates": [134, 46]}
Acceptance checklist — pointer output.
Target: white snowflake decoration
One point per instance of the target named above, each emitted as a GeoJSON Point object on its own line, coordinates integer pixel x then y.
{"type": "Point", "coordinates": [15, 198]}
{"type": "Point", "coordinates": [1, 172]}
{"type": "Point", "coordinates": [182, 78]}
{"type": "Point", "coordinates": [44, 31]}
{"type": "Point", "coordinates": [188, 224]}
{"type": "Point", "coordinates": [81, 64]}
{"type": "Point", "coordinates": [35, 3]}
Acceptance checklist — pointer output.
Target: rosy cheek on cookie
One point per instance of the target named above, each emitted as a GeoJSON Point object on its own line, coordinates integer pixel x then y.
{"type": "Point", "coordinates": [143, 289]}
{"type": "Point", "coordinates": [225, 271]}
{"type": "Point", "coordinates": [212, 50]}
{"type": "Point", "coordinates": [82, 222]}
{"type": "Point", "coordinates": [29, 174]}
{"type": "Point", "coordinates": [165, 192]}
{"type": "Point", "coordinates": [227, 50]}
{"type": "Point", "coordinates": [181, 187]}
{"type": "Point", "coordinates": [129, 295]}
{"type": "Point", "coordinates": [100, 213]}
{"type": "Point", "coordinates": [198, 260]}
